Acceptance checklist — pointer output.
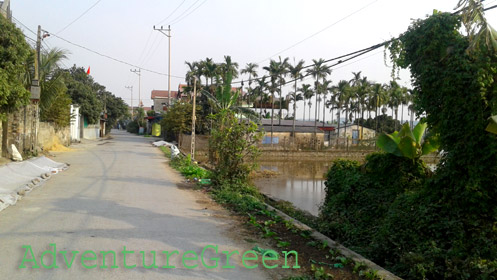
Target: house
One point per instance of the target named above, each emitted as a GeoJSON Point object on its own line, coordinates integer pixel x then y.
{"type": "Point", "coordinates": [160, 99]}
{"type": "Point", "coordinates": [354, 134]}
{"type": "Point", "coordinates": [305, 134]}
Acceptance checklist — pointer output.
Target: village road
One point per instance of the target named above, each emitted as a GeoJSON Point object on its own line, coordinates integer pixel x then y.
{"type": "Point", "coordinates": [119, 195]}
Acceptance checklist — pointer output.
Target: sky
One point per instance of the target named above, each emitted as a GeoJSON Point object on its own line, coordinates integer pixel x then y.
{"type": "Point", "coordinates": [250, 31]}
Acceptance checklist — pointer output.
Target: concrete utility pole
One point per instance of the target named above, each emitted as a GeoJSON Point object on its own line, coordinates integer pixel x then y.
{"type": "Point", "coordinates": [138, 72]}
{"type": "Point", "coordinates": [192, 151]}
{"type": "Point", "coordinates": [131, 89]}
{"type": "Point", "coordinates": [168, 34]}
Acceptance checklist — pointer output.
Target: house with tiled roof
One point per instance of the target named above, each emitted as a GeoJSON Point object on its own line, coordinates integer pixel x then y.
{"type": "Point", "coordinates": [160, 98]}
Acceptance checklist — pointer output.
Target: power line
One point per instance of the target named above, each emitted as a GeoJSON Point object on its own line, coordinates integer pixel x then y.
{"type": "Point", "coordinates": [359, 53]}
{"type": "Point", "coordinates": [18, 21]}
{"type": "Point", "coordinates": [181, 4]}
{"type": "Point", "coordinates": [354, 54]}
{"type": "Point", "coordinates": [111, 58]}
{"type": "Point", "coordinates": [80, 16]}
{"type": "Point", "coordinates": [320, 31]}
{"type": "Point", "coordinates": [175, 22]}
{"type": "Point", "coordinates": [185, 11]}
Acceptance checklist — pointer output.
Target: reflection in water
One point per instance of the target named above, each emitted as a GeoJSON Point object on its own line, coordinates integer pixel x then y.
{"type": "Point", "coordinates": [301, 183]}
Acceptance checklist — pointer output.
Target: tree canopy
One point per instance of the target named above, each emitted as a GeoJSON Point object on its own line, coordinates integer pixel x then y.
{"type": "Point", "coordinates": [14, 55]}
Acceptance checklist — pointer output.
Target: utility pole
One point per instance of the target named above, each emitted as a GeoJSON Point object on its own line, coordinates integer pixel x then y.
{"type": "Point", "coordinates": [138, 72]}
{"type": "Point", "coordinates": [168, 35]}
{"type": "Point", "coordinates": [192, 151]}
{"type": "Point", "coordinates": [131, 89]}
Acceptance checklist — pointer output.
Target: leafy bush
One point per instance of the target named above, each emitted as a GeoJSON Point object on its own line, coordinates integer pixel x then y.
{"type": "Point", "coordinates": [132, 127]}
{"type": "Point", "coordinates": [189, 169]}
{"type": "Point", "coordinates": [242, 198]}
{"type": "Point", "coordinates": [358, 197]}
{"type": "Point", "coordinates": [232, 148]}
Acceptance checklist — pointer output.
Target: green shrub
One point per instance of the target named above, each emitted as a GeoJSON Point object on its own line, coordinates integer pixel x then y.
{"type": "Point", "coordinates": [188, 168]}
{"type": "Point", "coordinates": [358, 198]}
{"type": "Point", "coordinates": [242, 198]}
{"type": "Point", "coordinates": [132, 127]}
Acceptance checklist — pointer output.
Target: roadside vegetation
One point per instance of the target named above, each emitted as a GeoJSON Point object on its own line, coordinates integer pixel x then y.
{"type": "Point", "coordinates": [59, 87]}
{"type": "Point", "coordinates": [416, 222]}
{"type": "Point", "coordinates": [392, 209]}
{"type": "Point", "coordinates": [233, 156]}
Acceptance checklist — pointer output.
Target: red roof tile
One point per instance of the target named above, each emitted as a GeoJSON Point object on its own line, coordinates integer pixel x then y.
{"type": "Point", "coordinates": [163, 94]}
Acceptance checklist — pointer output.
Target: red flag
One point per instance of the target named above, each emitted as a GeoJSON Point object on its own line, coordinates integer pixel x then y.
{"type": "Point", "coordinates": [88, 72]}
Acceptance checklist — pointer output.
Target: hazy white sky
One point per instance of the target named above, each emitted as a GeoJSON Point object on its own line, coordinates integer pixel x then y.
{"type": "Point", "coordinates": [248, 30]}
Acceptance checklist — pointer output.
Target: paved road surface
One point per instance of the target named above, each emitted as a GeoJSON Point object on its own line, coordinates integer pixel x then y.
{"type": "Point", "coordinates": [117, 192]}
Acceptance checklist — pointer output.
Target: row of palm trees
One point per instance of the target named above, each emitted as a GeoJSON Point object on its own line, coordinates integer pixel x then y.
{"type": "Point", "coordinates": [347, 100]}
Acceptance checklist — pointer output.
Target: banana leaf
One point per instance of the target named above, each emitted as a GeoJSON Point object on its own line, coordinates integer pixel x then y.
{"type": "Point", "coordinates": [492, 125]}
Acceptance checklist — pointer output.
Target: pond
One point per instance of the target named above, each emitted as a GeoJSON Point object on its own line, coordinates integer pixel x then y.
{"type": "Point", "coordinates": [299, 182]}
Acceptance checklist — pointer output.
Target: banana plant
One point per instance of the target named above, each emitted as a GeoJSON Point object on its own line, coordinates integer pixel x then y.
{"type": "Point", "coordinates": [492, 125]}
{"type": "Point", "coordinates": [408, 143]}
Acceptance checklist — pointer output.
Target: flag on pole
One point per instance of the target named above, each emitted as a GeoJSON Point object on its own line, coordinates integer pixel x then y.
{"type": "Point", "coordinates": [88, 71]}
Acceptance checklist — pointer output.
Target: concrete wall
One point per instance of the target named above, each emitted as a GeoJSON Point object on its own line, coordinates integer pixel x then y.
{"type": "Point", "coordinates": [49, 137]}
{"type": "Point", "coordinates": [21, 129]}
{"type": "Point", "coordinates": [91, 132]}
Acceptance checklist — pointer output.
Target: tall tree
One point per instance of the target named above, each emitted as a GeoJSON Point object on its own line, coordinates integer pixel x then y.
{"type": "Point", "coordinates": [251, 70]}
{"type": "Point", "coordinates": [319, 70]}
{"type": "Point", "coordinates": [342, 93]}
{"type": "Point", "coordinates": [296, 74]}
{"type": "Point", "coordinates": [54, 100]}
{"type": "Point", "coordinates": [14, 54]}
{"type": "Point", "coordinates": [307, 93]}
{"type": "Point", "coordinates": [273, 69]}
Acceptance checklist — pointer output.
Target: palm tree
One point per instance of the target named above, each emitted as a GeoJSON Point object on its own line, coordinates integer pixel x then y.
{"type": "Point", "coordinates": [296, 74]}
{"type": "Point", "coordinates": [251, 70]}
{"type": "Point", "coordinates": [363, 89]}
{"type": "Point", "coordinates": [51, 80]}
{"type": "Point", "coordinates": [325, 88]}
{"type": "Point", "coordinates": [209, 69]}
{"type": "Point", "coordinates": [319, 71]}
{"type": "Point", "coordinates": [281, 72]}
{"type": "Point", "coordinates": [378, 98]}
{"type": "Point", "coordinates": [394, 99]}
{"type": "Point", "coordinates": [307, 93]}
{"type": "Point", "coordinates": [259, 90]}
{"type": "Point", "coordinates": [226, 99]}
{"type": "Point", "coordinates": [273, 69]}
{"type": "Point", "coordinates": [228, 66]}
{"type": "Point", "coordinates": [342, 93]}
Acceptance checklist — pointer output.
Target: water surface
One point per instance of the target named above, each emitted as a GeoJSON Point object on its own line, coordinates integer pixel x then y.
{"type": "Point", "coordinates": [299, 182]}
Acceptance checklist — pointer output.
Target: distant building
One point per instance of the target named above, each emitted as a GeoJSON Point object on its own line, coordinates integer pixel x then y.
{"type": "Point", "coordinates": [160, 99]}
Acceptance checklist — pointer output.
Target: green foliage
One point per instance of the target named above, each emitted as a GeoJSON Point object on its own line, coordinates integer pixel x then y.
{"type": "Point", "coordinates": [381, 123]}
{"type": "Point", "coordinates": [132, 127]}
{"type": "Point", "coordinates": [492, 125]}
{"type": "Point", "coordinates": [358, 197]}
{"type": "Point", "coordinates": [116, 109]}
{"type": "Point", "coordinates": [233, 148]}
{"type": "Point", "coordinates": [391, 209]}
{"type": "Point", "coordinates": [407, 143]}
{"type": "Point", "coordinates": [14, 55]}
{"type": "Point", "coordinates": [189, 169]}
{"type": "Point", "coordinates": [178, 119]}
{"type": "Point", "coordinates": [58, 112]}
{"type": "Point", "coordinates": [239, 197]}
{"type": "Point", "coordinates": [83, 91]}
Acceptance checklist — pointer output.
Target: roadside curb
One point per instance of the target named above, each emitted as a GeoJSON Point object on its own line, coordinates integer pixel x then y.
{"type": "Point", "coordinates": [383, 273]}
